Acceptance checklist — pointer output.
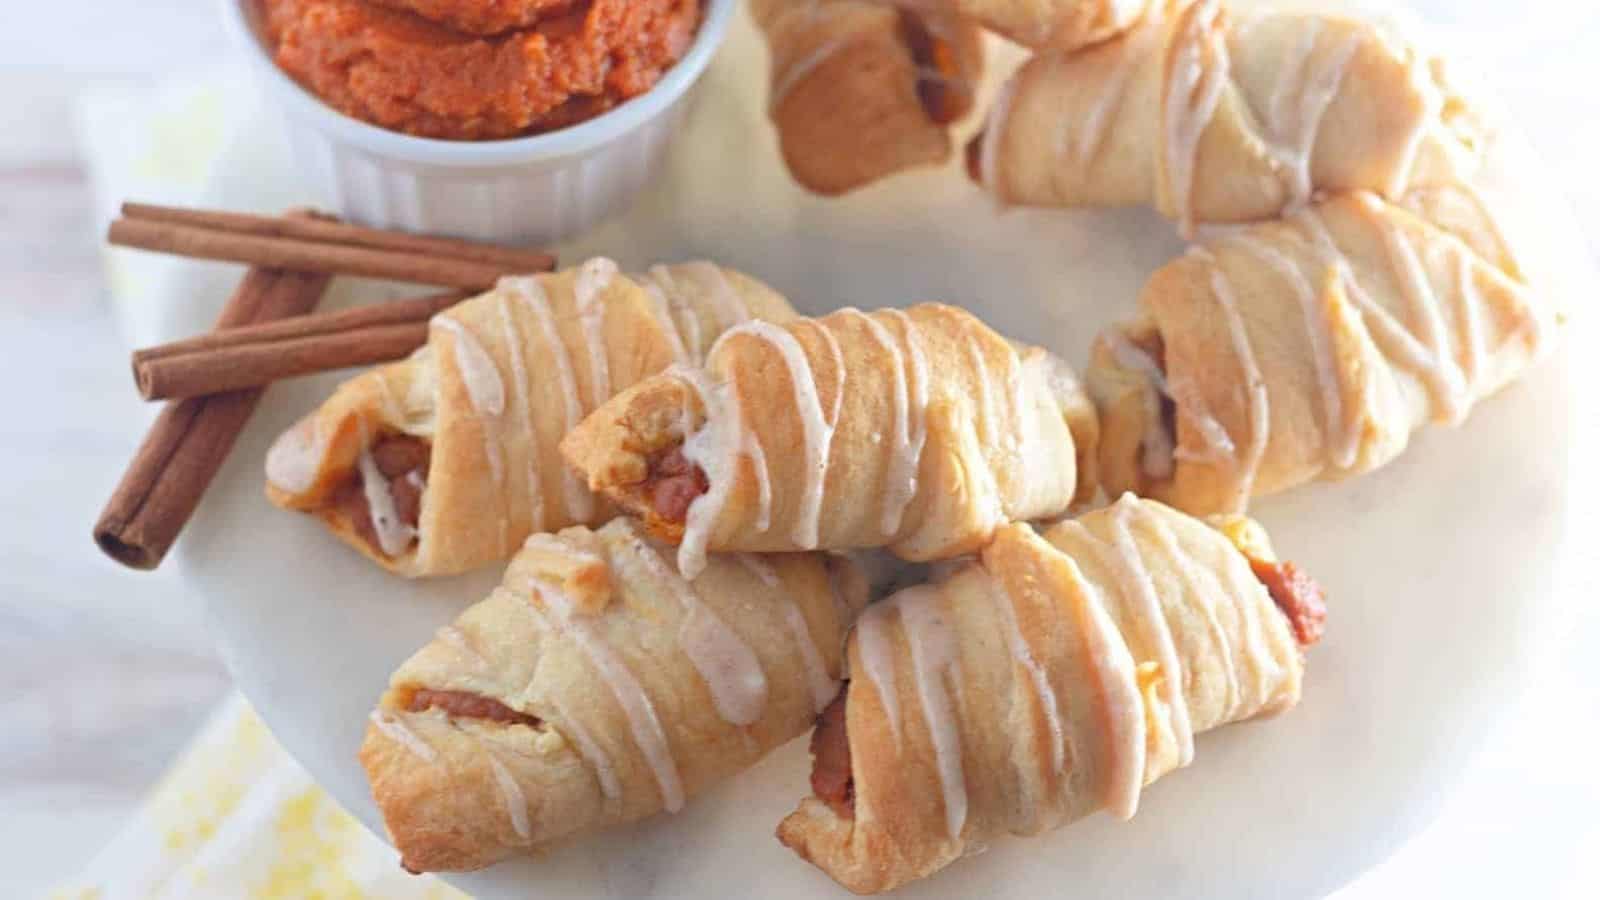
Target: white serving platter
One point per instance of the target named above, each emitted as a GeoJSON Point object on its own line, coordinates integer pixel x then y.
{"type": "Point", "coordinates": [1440, 569]}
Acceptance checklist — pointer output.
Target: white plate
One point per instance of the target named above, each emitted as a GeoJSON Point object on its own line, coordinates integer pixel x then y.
{"type": "Point", "coordinates": [1439, 568]}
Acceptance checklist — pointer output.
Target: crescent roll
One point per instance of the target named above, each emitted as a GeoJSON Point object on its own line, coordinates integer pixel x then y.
{"type": "Point", "coordinates": [597, 686]}
{"type": "Point", "coordinates": [1213, 119]}
{"type": "Point", "coordinates": [447, 461]}
{"type": "Point", "coordinates": [919, 430]}
{"type": "Point", "coordinates": [1055, 24]}
{"type": "Point", "coordinates": [1311, 349]}
{"type": "Point", "coordinates": [861, 91]}
{"type": "Point", "coordinates": [1055, 676]}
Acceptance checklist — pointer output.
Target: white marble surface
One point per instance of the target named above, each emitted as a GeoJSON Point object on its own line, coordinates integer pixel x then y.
{"type": "Point", "coordinates": [109, 671]}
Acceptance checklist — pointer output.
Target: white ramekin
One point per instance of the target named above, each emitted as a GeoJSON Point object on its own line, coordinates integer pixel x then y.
{"type": "Point", "coordinates": [540, 189]}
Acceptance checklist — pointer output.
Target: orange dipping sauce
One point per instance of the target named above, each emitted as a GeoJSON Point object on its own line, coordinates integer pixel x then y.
{"type": "Point", "coordinates": [414, 70]}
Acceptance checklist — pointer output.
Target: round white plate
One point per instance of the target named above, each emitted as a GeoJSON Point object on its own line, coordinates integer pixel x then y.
{"type": "Point", "coordinates": [1439, 568]}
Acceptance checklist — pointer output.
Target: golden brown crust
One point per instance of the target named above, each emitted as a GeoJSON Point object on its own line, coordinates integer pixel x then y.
{"type": "Point", "coordinates": [1361, 320]}
{"type": "Point", "coordinates": [862, 91]}
{"type": "Point", "coordinates": [933, 426]}
{"type": "Point", "coordinates": [1044, 724]}
{"type": "Point", "coordinates": [1304, 103]}
{"type": "Point", "coordinates": [614, 715]}
{"type": "Point", "coordinates": [539, 363]}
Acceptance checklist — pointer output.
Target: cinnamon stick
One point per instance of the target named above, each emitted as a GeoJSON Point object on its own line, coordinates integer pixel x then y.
{"type": "Point", "coordinates": [257, 355]}
{"type": "Point", "coordinates": [191, 438]}
{"type": "Point", "coordinates": [306, 256]}
{"type": "Point", "coordinates": [332, 231]}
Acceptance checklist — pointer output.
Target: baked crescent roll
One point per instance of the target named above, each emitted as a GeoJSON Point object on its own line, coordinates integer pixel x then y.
{"type": "Point", "coordinates": [447, 461]}
{"type": "Point", "coordinates": [1311, 349]}
{"type": "Point", "coordinates": [1213, 119]}
{"type": "Point", "coordinates": [1053, 677]}
{"type": "Point", "coordinates": [1055, 24]}
{"type": "Point", "coordinates": [597, 686]}
{"type": "Point", "coordinates": [861, 91]}
{"type": "Point", "coordinates": [919, 430]}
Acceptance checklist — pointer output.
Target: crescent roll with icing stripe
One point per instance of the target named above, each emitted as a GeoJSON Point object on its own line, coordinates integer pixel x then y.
{"type": "Point", "coordinates": [1311, 348]}
{"type": "Point", "coordinates": [919, 430]}
{"type": "Point", "coordinates": [1052, 24]}
{"type": "Point", "coordinates": [1215, 119]}
{"type": "Point", "coordinates": [448, 460]}
{"type": "Point", "coordinates": [1055, 676]}
{"type": "Point", "coordinates": [597, 686]}
{"type": "Point", "coordinates": [861, 91]}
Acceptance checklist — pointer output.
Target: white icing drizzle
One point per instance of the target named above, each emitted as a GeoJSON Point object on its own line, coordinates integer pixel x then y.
{"type": "Point", "coordinates": [823, 687]}
{"type": "Point", "coordinates": [605, 771]}
{"type": "Point", "coordinates": [716, 449]}
{"type": "Point", "coordinates": [643, 723]}
{"type": "Point", "coordinates": [396, 730]}
{"type": "Point", "coordinates": [877, 657]}
{"type": "Point", "coordinates": [910, 429]}
{"type": "Point", "coordinates": [1254, 385]}
{"type": "Point", "coordinates": [593, 278]}
{"type": "Point", "coordinates": [1137, 586]}
{"type": "Point", "coordinates": [1301, 101]}
{"type": "Point", "coordinates": [1391, 337]}
{"type": "Point", "coordinates": [676, 315]}
{"type": "Point", "coordinates": [519, 397]}
{"type": "Point", "coordinates": [985, 412]}
{"type": "Point", "coordinates": [1425, 310]}
{"type": "Point", "coordinates": [1157, 449]}
{"type": "Point", "coordinates": [730, 307]}
{"type": "Point", "coordinates": [486, 391]}
{"type": "Point", "coordinates": [528, 289]}
{"type": "Point", "coordinates": [478, 371]}
{"type": "Point", "coordinates": [394, 536]}
{"type": "Point", "coordinates": [731, 670]}
{"type": "Point", "coordinates": [814, 422]}
{"type": "Point", "coordinates": [1193, 92]}
{"type": "Point", "coordinates": [1205, 595]}
{"type": "Point", "coordinates": [985, 483]}
{"type": "Point", "coordinates": [1469, 303]}
{"type": "Point", "coordinates": [1022, 654]}
{"type": "Point", "coordinates": [296, 457]}
{"type": "Point", "coordinates": [1118, 682]}
{"type": "Point", "coordinates": [904, 475]}
{"type": "Point", "coordinates": [1131, 51]}
{"type": "Point", "coordinates": [661, 309]}
{"type": "Point", "coordinates": [1342, 439]}
{"type": "Point", "coordinates": [934, 656]}
{"type": "Point", "coordinates": [511, 795]}
{"type": "Point", "coordinates": [1421, 82]}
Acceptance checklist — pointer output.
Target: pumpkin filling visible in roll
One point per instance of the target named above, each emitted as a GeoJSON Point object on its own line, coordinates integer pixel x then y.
{"type": "Point", "coordinates": [385, 513]}
{"type": "Point", "coordinates": [943, 94]}
{"type": "Point", "coordinates": [1298, 596]}
{"type": "Point", "coordinates": [673, 484]}
{"type": "Point", "coordinates": [831, 778]}
{"type": "Point", "coordinates": [464, 705]}
{"type": "Point", "coordinates": [1156, 453]}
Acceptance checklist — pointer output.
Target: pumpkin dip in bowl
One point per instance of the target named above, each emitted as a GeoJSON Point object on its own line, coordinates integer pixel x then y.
{"type": "Point", "coordinates": [404, 65]}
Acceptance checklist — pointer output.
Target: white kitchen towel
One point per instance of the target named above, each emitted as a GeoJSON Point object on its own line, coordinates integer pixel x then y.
{"type": "Point", "coordinates": [237, 817]}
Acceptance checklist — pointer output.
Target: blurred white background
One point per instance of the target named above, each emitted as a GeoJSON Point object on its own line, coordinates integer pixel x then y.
{"type": "Point", "coordinates": [108, 672]}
